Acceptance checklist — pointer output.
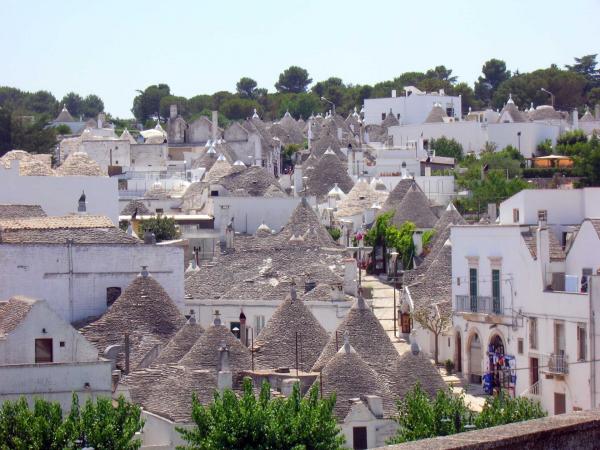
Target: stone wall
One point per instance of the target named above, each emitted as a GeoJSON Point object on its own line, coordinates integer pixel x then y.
{"type": "Point", "coordinates": [573, 431]}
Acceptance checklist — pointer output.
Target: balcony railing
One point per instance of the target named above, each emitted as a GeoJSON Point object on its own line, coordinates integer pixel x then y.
{"type": "Point", "coordinates": [555, 363]}
{"type": "Point", "coordinates": [479, 304]}
{"type": "Point", "coordinates": [535, 390]}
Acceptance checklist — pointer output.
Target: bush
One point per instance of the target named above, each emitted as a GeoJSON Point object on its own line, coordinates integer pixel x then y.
{"type": "Point", "coordinates": [335, 233]}
{"type": "Point", "coordinates": [164, 228]}
{"type": "Point", "coordinates": [546, 172]}
{"type": "Point", "coordinates": [447, 147]}
{"type": "Point", "coordinates": [502, 409]}
{"type": "Point", "coordinates": [449, 365]}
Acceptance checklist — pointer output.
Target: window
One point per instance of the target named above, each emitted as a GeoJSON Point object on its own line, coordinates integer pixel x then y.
{"type": "Point", "coordinates": [520, 346]}
{"type": "Point", "coordinates": [43, 351]}
{"type": "Point", "coordinates": [259, 324]}
{"type": "Point", "coordinates": [496, 291]}
{"type": "Point", "coordinates": [61, 343]}
{"type": "Point", "coordinates": [515, 215]}
{"type": "Point", "coordinates": [533, 333]}
{"type": "Point", "coordinates": [214, 193]}
{"type": "Point", "coordinates": [382, 116]}
{"type": "Point", "coordinates": [112, 293]}
{"type": "Point", "coordinates": [581, 342]}
{"type": "Point", "coordinates": [159, 210]}
{"type": "Point", "coordinates": [585, 277]}
{"type": "Point", "coordinates": [473, 288]}
{"type": "Point", "coordinates": [235, 328]}
{"type": "Point", "coordinates": [559, 338]}
{"type": "Point", "coordinates": [398, 115]}
{"type": "Point", "coordinates": [542, 215]}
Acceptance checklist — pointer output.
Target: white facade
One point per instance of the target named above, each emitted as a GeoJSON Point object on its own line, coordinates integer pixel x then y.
{"type": "Point", "coordinates": [75, 365]}
{"type": "Point", "coordinates": [410, 109]}
{"type": "Point", "coordinates": [58, 196]}
{"type": "Point", "coordinates": [503, 293]}
{"type": "Point", "coordinates": [473, 135]}
{"type": "Point", "coordinates": [258, 312]}
{"type": "Point", "coordinates": [250, 212]}
{"type": "Point", "coordinates": [74, 279]}
{"type": "Point", "coordinates": [368, 414]}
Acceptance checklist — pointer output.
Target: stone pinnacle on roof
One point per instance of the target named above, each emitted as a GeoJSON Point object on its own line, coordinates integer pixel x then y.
{"type": "Point", "coordinates": [64, 115]}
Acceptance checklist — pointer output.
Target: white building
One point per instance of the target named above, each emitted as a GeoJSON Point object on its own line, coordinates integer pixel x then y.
{"type": "Point", "coordinates": [79, 264]}
{"type": "Point", "coordinates": [59, 195]}
{"type": "Point", "coordinates": [411, 108]}
{"type": "Point", "coordinates": [524, 298]}
{"type": "Point", "coordinates": [41, 355]}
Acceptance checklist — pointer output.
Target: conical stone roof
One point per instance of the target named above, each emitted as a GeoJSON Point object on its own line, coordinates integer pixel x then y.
{"type": "Point", "coordinates": [181, 343]}
{"type": "Point", "coordinates": [292, 326]}
{"type": "Point", "coordinates": [367, 337]}
{"type": "Point", "coordinates": [436, 115]}
{"type": "Point", "coordinates": [304, 223]}
{"type": "Point", "coordinates": [80, 164]}
{"type": "Point", "coordinates": [64, 116]}
{"type": "Point", "coordinates": [145, 311]}
{"type": "Point", "coordinates": [390, 120]}
{"type": "Point", "coordinates": [205, 354]}
{"type": "Point", "coordinates": [397, 194]}
{"type": "Point", "coordinates": [413, 368]}
{"type": "Point", "coordinates": [415, 208]}
{"type": "Point", "coordinates": [349, 376]}
{"type": "Point", "coordinates": [328, 171]}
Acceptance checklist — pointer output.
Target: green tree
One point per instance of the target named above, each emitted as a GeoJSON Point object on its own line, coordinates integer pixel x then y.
{"type": "Point", "coordinates": [98, 424]}
{"type": "Point", "coordinates": [246, 88]}
{"type": "Point", "coordinates": [299, 105]}
{"type": "Point", "coordinates": [447, 147]}
{"type": "Point", "coordinates": [384, 233]}
{"type": "Point", "coordinates": [261, 423]}
{"type": "Point", "coordinates": [586, 66]}
{"type": "Point", "coordinates": [33, 137]}
{"type": "Point", "coordinates": [333, 89]}
{"type": "Point", "coordinates": [92, 105]}
{"type": "Point", "coordinates": [421, 417]}
{"type": "Point", "coordinates": [41, 102]}
{"type": "Point", "coordinates": [431, 318]}
{"type": "Point", "coordinates": [494, 73]}
{"type": "Point", "coordinates": [441, 73]}
{"type": "Point", "coordinates": [239, 108]}
{"type": "Point", "coordinates": [63, 129]}
{"type": "Point", "coordinates": [164, 228]}
{"type": "Point", "coordinates": [468, 98]}
{"type": "Point", "coordinates": [570, 138]}
{"type": "Point", "coordinates": [294, 79]}
{"type": "Point", "coordinates": [146, 105]}
{"type": "Point", "coordinates": [585, 154]}
{"type": "Point", "coordinates": [544, 148]}
{"type": "Point", "coordinates": [73, 102]}
{"type": "Point", "coordinates": [502, 409]}
{"type": "Point", "coordinates": [168, 100]}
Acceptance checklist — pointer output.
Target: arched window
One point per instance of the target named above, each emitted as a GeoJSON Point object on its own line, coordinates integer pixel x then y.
{"type": "Point", "coordinates": [112, 293]}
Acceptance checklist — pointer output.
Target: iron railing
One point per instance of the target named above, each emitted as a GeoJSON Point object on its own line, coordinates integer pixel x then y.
{"type": "Point", "coordinates": [556, 363]}
{"type": "Point", "coordinates": [479, 304]}
{"type": "Point", "coordinates": [535, 390]}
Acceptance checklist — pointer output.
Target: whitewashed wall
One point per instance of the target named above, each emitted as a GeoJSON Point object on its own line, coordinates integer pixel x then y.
{"type": "Point", "coordinates": [59, 196]}
{"type": "Point", "coordinates": [42, 271]}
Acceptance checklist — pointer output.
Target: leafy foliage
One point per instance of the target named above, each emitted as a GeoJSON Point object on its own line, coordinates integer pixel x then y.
{"type": "Point", "coordinates": [585, 154]}
{"type": "Point", "coordinates": [17, 132]}
{"type": "Point", "coordinates": [420, 417]}
{"type": "Point", "coordinates": [335, 233]}
{"type": "Point", "coordinates": [164, 228]}
{"type": "Point", "coordinates": [383, 232]}
{"type": "Point", "coordinates": [146, 105]}
{"type": "Point", "coordinates": [257, 423]}
{"type": "Point", "coordinates": [502, 409]}
{"type": "Point", "coordinates": [447, 147]}
{"type": "Point", "coordinates": [492, 178]}
{"type": "Point", "coordinates": [294, 79]}
{"type": "Point", "coordinates": [98, 424]}
{"type": "Point", "coordinates": [246, 87]}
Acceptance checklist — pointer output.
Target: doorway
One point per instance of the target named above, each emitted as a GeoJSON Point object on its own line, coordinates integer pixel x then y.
{"type": "Point", "coordinates": [475, 355]}
{"type": "Point", "coordinates": [560, 403]}
{"type": "Point", "coordinates": [458, 353]}
{"type": "Point", "coordinates": [359, 438]}
{"type": "Point", "coordinates": [405, 322]}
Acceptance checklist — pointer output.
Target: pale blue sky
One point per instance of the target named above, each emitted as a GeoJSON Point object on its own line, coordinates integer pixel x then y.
{"type": "Point", "coordinates": [111, 48]}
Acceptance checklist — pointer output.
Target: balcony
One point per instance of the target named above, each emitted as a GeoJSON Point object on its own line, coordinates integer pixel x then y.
{"type": "Point", "coordinates": [479, 304]}
{"type": "Point", "coordinates": [555, 364]}
{"type": "Point", "coordinates": [533, 391]}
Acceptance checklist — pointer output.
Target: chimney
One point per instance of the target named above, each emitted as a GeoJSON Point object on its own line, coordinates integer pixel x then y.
{"type": "Point", "coordinates": [257, 153]}
{"type": "Point", "coordinates": [101, 120]}
{"type": "Point", "coordinates": [82, 204]}
{"type": "Point", "coordinates": [575, 116]}
{"type": "Point", "coordinates": [350, 276]}
{"type": "Point", "coordinates": [597, 111]}
{"type": "Point", "coordinates": [149, 237]}
{"type": "Point", "coordinates": [298, 184]}
{"type": "Point", "coordinates": [144, 273]}
{"type": "Point", "coordinates": [217, 319]}
{"type": "Point", "coordinates": [215, 125]}
{"type": "Point", "coordinates": [173, 111]}
{"type": "Point", "coordinates": [543, 251]}
{"type": "Point", "coordinates": [427, 170]}
{"type": "Point", "coordinates": [287, 386]}
{"type": "Point", "coordinates": [393, 93]}
{"type": "Point", "coordinates": [374, 403]}
{"type": "Point", "coordinates": [492, 211]}
{"type": "Point", "coordinates": [243, 332]}
{"type": "Point", "coordinates": [337, 292]}
{"type": "Point", "coordinates": [339, 133]}
{"type": "Point", "coordinates": [224, 375]}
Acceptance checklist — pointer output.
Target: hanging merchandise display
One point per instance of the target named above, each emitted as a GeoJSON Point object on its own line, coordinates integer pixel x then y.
{"type": "Point", "coordinates": [501, 373]}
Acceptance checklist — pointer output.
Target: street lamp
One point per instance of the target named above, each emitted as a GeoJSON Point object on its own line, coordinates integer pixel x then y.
{"type": "Point", "coordinates": [331, 103]}
{"type": "Point", "coordinates": [519, 140]}
{"type": "Point", "coordinates": [551, 95]}
{"type": "Point", "coordinates": [394, 256]}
